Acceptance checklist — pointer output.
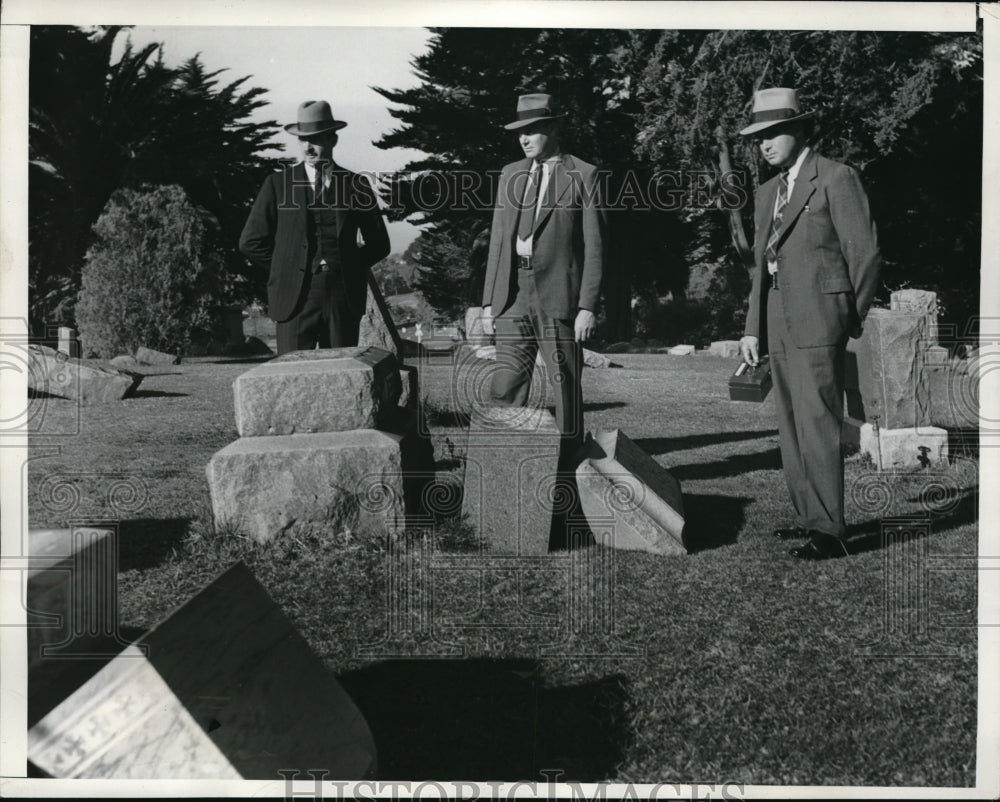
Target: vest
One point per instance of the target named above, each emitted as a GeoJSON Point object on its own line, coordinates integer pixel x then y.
{"type": "Point", "coordinates": [322, 228]}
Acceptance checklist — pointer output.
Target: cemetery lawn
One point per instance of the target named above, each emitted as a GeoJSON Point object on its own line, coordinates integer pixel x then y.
{"type": "Point", "coordinates": [731, 664]}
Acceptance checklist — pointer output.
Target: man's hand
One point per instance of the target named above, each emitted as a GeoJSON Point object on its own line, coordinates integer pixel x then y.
{"type": "Point", "coordinates": [488, 321]}
{"type": "Point", "coordinates": [748, 348]}
{"type": "Point", "coordinates": [586, 325]}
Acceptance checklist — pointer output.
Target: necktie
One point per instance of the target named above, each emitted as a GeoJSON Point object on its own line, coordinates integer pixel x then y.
{"type": "Point", "coordinates": [779, 212]}
{"type": "Point", "coordinates": [318, 186]}
{"type": "Point", "coordinates": [527, 220]}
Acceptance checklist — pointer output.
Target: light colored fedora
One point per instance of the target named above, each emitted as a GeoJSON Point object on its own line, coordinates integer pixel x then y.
{"type": "Point", "coordinates": [533, 108]}
{"type": "Point", "coordinates": [315, 117]}
{"type": "Point", "coordinates": [774, 107]}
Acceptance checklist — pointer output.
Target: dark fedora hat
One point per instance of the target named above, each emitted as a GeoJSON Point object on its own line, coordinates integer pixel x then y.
{"type": "Point", "coordinates": [774, 107]}
{"type": "Point", "coordinates": [533, 108]}
{"type": "Point", "coordinates": [315, 117]}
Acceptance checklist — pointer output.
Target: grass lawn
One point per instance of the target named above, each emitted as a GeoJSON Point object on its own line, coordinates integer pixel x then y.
{"type": "Point", "coordinates": [733, 663]}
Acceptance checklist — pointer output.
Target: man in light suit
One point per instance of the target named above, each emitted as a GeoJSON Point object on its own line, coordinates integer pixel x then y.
{"type": "Point", "coordinates": [816, 271]}
{"type": "Point", "coordinates": [544, 269]}
{"type": "Point", "coordinates": [304, 229]}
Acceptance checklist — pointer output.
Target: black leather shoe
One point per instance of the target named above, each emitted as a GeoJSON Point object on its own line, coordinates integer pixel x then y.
{"type": "Point", "coordinates": [820, 546]}
{"type": "Point", "coordinates": [791, 533]}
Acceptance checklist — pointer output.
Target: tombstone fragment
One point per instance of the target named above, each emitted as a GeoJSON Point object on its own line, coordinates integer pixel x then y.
{"type": "Point", "coordinates": [324, 390]}
{"type": "Point", "coordinates": [147, 356]}
{"type": "Point", "coordinates": [510, 477]}
{"type": "Point", "coordinates": [682, 350]}
{"type": "Point", "coordinates": [57, 374]}
{"type": "Point", "coordinates": [621, 485]}
{"type": "Point", "coordinates": [68, 342]}
{"type": "Point", "coordinates": [728, 349]}
{"type": "Point", "coordinates": [592, 359]}
{"type": "Point", "coordinates": [262, 703]}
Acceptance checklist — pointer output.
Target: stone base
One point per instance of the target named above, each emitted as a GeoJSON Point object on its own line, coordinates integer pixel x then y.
{"type": "Point", "coordinates": [625, 491]}
{"type": "Point", "coordinates": [510, 483]}
{"type": "Point", "coordinates": [361, 480]}
{"type": "Point", "coordinates": [904, 449]}
{"type": "Point", "coordinates": [322, 390]}
{"type": "Point", "coordinates": [55, 373]}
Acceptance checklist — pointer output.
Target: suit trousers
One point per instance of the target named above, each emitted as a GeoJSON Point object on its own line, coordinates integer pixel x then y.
{"type": "Point", "coordinates": [323, 318]}
{"type": "Point", "coordinates": [809, 395]}
{"type": "Point", "coordinates": [524, 330]}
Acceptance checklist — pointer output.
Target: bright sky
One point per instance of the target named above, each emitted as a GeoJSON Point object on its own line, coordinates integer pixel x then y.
{"type": "Point", "coordinates": [339, 65]}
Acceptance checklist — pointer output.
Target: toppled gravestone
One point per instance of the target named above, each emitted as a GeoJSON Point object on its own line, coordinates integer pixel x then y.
{"type": "Point", "coordinates": [510, 488]}
{"type": "Point", "coordinates": [55, 373]}
{"type": "Point", "coordinates": [321, 390]}
{"type": "Point", "coordinates": [147, 356]}
{"type": "Point", "coordinates": [262, 704]}
{"type": "Point", "coordinates": [729, 349]}
{"type": "Point", "coordinates": [682, 350]}
{"type": "Point", "coordinates": [593, 359]}
{"type": "Point", "coordinates": [628, 495]}
{"type": "Point", "coordinates": [357, 479]}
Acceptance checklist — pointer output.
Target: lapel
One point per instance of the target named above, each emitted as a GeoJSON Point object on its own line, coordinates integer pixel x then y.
{"type": "Point", "coordinates": [559, 182]}
{"type": "Point", "coordinates": [805, 186]}
{"type": "Point", "coordinates": [513, 200]}
{"type": "Point", "coordinates": [763, 214]}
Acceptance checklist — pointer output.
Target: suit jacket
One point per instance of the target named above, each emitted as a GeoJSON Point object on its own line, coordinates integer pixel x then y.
{"type": "Point", "coordinates": [828, 257]}
{"type": "Point", "coordinates": [569, 242]}
{"type": "Point", "coordinates": [275, 236]}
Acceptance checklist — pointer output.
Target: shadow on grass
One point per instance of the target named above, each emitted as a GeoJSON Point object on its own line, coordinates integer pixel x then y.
{"type": "Point", "coordinates": [146, 542]}
{"type": "Point", "coordinates": [712, 521]}
{"type": "Point", "coordinates": [242, 360]}
{"type": "Point", "coordinates": [601, 406]}
{"type": "Point", "coordinates": [157, 394]}
{"type": "Point", "coordinates": [733, 465]}
{"type": "Point", "coordinates": [434, 719]}
{"type": "Point", "coordinates": [868, 535]}
{"type": "Point", "coordinates": [665, 445]}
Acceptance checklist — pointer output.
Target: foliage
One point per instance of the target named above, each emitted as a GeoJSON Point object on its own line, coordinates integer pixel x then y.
{"type": "Point", "coordinates": [643, 102]}
{"type": "Point", "coordinates": [152, 276]}
{"type": "Point", "coordinates": [98, 124]}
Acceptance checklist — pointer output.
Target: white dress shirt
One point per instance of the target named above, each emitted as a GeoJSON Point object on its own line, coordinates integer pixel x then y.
{"type": "Point", "coordinates": [523, 246]}
{"type": "Point", "coordinates": [793, 173]}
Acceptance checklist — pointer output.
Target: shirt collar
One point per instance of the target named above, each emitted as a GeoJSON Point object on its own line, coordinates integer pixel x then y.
{"type": "Point", "coordinates": [311, 171]}
{"type": "Point", "coordinates": [549, 161]}
{"type": "Point", "coordinates": [793, 171]}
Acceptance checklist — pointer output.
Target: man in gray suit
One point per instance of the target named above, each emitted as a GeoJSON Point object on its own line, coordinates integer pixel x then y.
{"type": "Point", "coordinates": [544, 269]}
{"type": "Point", "coordinates": [815, 273]}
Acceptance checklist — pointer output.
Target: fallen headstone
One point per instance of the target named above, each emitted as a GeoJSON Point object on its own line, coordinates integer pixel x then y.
{"type": "Point", "coordinates": [728, 349]}
{"type": "Point", "coordinates": [682, 350]}
{"type": "Point", "coordinates": [268, 486]}
{"type": "Point", "coordinates": [593, 359]}
{"type": "Point", "coordinates": [263, 703]}
{"type": "Point", "coordinates": [321, 390]}
{"type": "Point", "coordinates": [55, 373]}
{"type": "Point", "coordinates": [123, 361]}
{"type": "Point", "coordinates": [904, 449]}
{"type": "Point", "coordinates": [626, 492]}
{"type": "Point", "coordinates": [147, 356]}
{"type": "Point", "coordinates": [510, 473]}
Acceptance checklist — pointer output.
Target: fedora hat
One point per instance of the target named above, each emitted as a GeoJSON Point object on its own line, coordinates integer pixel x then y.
{"type": "Point", "coordinates": [533, 108]}
{"type": "Point", "coordinates": [315, 117]}
{"type": "Point", "coordinates": [773, 107]}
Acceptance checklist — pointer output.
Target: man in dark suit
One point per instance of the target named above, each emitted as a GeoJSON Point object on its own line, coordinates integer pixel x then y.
{"type": "Point", "coordinates": [543, 272]}
{"type": "Point", "coordinates": [816, 271]}
{"type": "Point", "coordinates": [304, 229]}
